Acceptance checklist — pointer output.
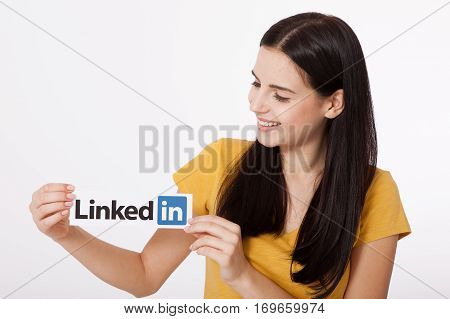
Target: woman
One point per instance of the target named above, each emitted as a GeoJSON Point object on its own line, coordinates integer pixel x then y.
{"type": "Point", "coordinates": [302, 212]}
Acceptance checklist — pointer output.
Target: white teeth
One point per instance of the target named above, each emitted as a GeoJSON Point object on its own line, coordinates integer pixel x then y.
{"type": "Point", "coordinates": [269, 123]}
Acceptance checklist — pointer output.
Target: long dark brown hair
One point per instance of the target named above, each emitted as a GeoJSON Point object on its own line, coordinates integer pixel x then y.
{"type": "Point", "coordinates": [253, 193]}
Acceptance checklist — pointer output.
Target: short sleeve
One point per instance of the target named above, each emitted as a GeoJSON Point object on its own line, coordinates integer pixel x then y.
{"type": "Point", "coordinates": [383, 214]}
{"type": "Point", "coordinates": [200, 176]}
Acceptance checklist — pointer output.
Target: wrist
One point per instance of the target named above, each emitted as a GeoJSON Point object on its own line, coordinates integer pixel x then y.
{"type": "Point", "coordinates": [244, 279]}
{"type": "Point", "coordinates": [70, 234]}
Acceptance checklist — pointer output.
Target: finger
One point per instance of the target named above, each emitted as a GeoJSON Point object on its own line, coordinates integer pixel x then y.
{"type": "Point", "coordinates": [57, 187]}
{"type": "Point", "coordinates": [53, 219]}
{"type": "Point", "coordinates": [199, 235]}
{"type": "Point", "coordinates": [210, 228]}
{"type": "Point", "coordinates": [212, 253]}
{"type": "Point", "coordinates": [214, 242]}
{"type": "Point", "coordinates": [53, 197]}
{"type": "Point", "coordinates": [216, 219]}
{"type": "Point", "coordinates": [47, 209]}
{"type": "Point", "coordinates": [48, 188]}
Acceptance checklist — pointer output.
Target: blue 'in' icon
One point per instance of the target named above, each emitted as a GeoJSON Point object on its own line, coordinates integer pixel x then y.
{"type": "Point", "coordinates": [172, 210]}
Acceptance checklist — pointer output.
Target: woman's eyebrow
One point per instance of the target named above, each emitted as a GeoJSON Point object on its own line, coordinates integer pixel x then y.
{"type": "Point", "coordinates": [275, 86]}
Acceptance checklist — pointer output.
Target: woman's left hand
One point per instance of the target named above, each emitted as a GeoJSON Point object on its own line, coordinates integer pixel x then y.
{"type": "Point", "coordinates": [220, 240]}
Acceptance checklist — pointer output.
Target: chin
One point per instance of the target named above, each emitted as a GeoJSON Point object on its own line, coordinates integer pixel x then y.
{"type": "Point", "coordinates": [267, 140]}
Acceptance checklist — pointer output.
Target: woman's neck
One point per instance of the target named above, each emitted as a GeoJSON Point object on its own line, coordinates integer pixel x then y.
{"type": "Point", "coordinates": [305, 161]}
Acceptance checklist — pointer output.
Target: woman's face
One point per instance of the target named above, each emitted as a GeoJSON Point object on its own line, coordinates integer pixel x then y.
{"type": "Point", "coordinates": [280, 95]}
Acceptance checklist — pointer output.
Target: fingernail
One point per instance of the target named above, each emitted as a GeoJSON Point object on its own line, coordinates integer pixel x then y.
{"type": "Point", "coordinates": [70, 196]}
{"type": "Point", "coordinates": [65, 212]}
{"type": "Point", "coordinates": [190, 219]}
{"type": "Point", "coordinates": [70, 187]}
{"type": "Point", "coordinates": [187, 228]}
{"type": "Point", "coordinates": [68, 203]}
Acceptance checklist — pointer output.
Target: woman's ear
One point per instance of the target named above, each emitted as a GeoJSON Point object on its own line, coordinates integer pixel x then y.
{"type": "Point", "coordinates": [335, 104]}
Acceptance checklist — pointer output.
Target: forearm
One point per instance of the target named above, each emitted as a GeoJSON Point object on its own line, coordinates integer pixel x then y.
{"type": "Point", "coordinates": [116, 266]}
{"type": "Point", "coordinates": [254, 284]}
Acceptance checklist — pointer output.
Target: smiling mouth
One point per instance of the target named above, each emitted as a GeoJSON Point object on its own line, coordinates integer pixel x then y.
{"type": "Point", "coordinates": [268, 123]}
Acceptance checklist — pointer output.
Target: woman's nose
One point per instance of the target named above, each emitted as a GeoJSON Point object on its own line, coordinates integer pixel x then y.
{"type": "Point", "coordinates": [258, 104]}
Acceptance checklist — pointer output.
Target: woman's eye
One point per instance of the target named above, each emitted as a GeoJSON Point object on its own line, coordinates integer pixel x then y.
{"type": "Point", "coordinates": [256, 84]}
{"type": "Point", "coordinates": [276, 96]}
{"type": "Point", "coordinates": [280, 98]}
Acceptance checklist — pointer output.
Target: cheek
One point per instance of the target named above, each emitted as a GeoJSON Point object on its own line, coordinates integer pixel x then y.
{"type": "Point", "coordinates": [305, 113]}
{"type": "Point", "coordinates": [302, 120]}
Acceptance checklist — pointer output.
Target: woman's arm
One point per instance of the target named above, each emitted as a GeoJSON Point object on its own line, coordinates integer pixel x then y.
{"type": "Point", "coordinates": [370, 274]}
{"type": "Point", "coordinates": [253, 285]}
{"type": "Point", "coordinates": [116, 266]}
{"type": "Point", "coordinates": [140, 274]}
{"type": "Point", "coordinates": [220, 240]}
{"type": "Point", "coordinates": [371, 269]}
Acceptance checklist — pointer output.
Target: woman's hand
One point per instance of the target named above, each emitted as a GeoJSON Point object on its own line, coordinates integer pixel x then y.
{"type": "Point", "coordinates": [50, 206]}
{"type": "Point", "coordinates": [220, 240]}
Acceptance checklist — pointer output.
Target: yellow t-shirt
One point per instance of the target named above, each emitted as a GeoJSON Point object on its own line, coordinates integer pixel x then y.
{"type": "Point", "coordinates": [382, 216]}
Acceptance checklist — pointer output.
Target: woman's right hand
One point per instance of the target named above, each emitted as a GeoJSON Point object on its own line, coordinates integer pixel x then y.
{"type": "Point", "coordinates": [50, 206]}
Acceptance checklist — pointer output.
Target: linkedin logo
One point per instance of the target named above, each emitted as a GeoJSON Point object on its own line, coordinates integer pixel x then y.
{"type": "Point", "coordinates": [171, 211]}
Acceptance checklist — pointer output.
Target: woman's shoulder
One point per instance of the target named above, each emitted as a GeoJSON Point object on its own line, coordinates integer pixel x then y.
{"type": "Point", "coordinates": [383, 190]}
{"type": "Point", "coordinates": [215, 156]}
{"type": "Point", "coordinates": [383, 214]}
{"type": "Point", "coordinates": [235, 143]}
{"type": "Point", "coordinates": [229, 148]}
{"type": "Point", "coordinates": [381, 179]}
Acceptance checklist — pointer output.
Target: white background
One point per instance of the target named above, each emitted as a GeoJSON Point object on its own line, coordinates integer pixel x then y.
{"type": "Point", "coordinates": [65, 120]}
